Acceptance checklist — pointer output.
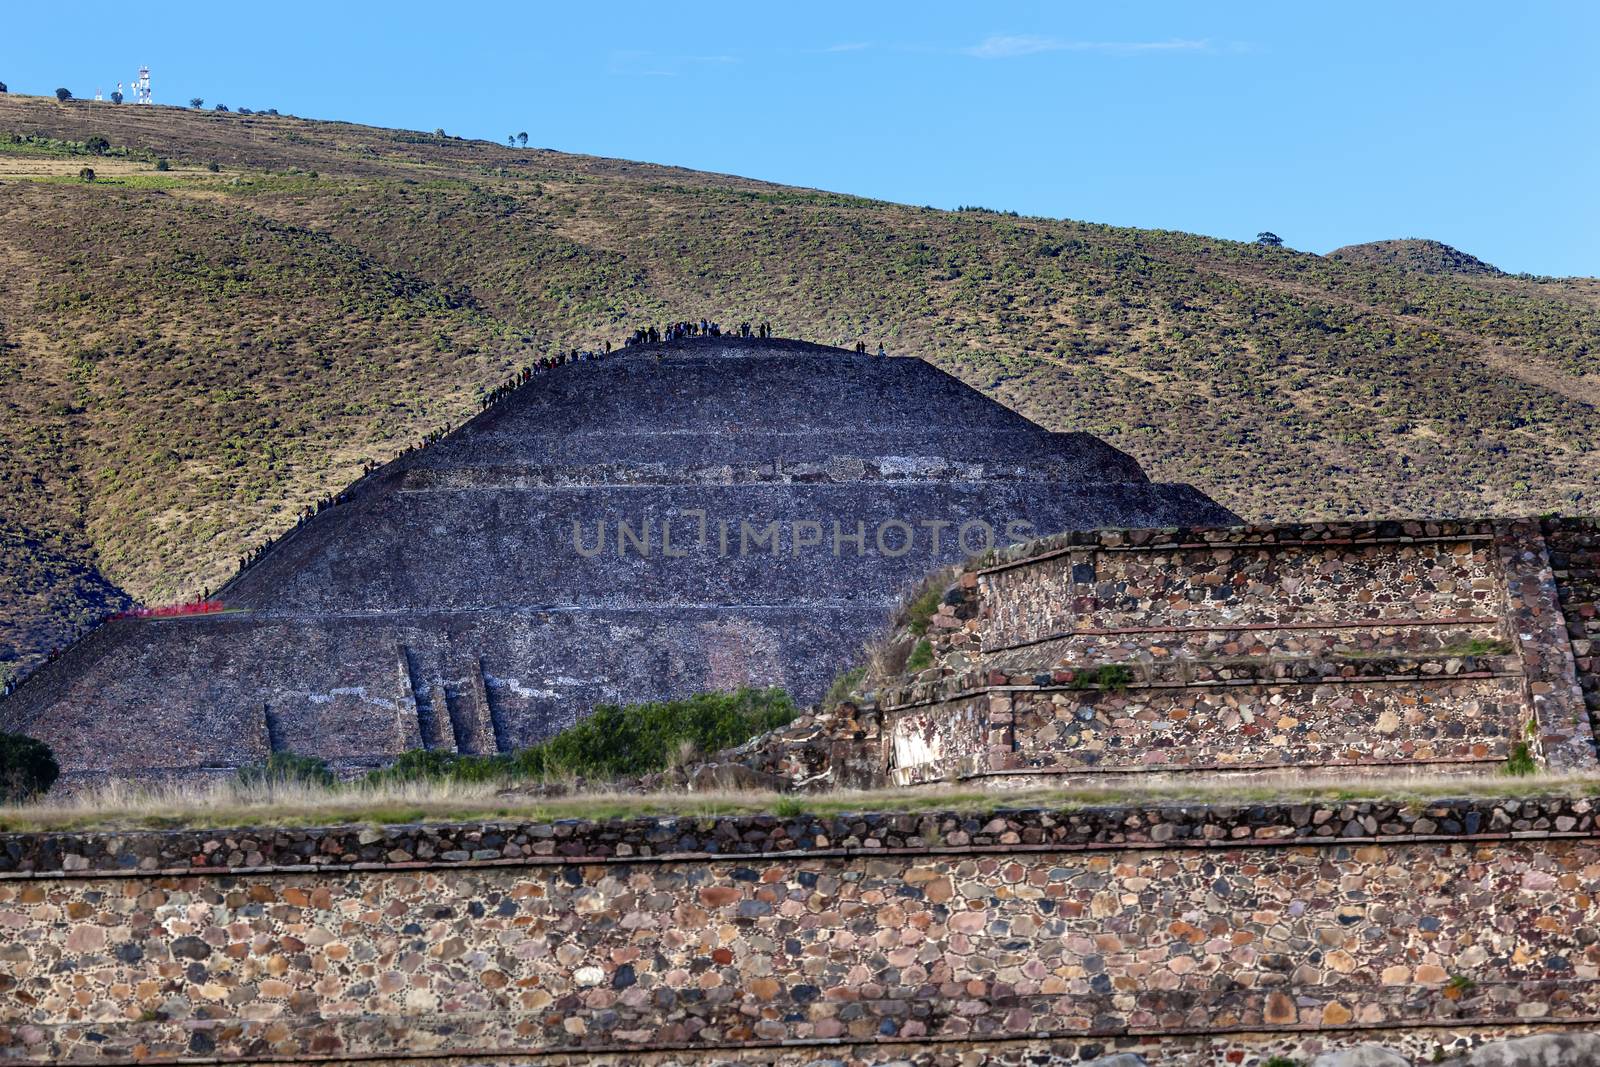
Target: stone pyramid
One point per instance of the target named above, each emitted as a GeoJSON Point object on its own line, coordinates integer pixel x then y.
{"type": "Point", "coordinates": [670, 519]}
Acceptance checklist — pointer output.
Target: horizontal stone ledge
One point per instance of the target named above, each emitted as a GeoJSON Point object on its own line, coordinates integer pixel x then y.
{"type": "Point", "coordinates": [688, 478]}
{"type": "Point", "coordinates": [737, 839]}
{"type": "Point", "coordinates": [988, 1039]}
{"type": "Point", "coordinates": [1241, 538]}
{"type": "Point", "coordinates": [1261, 680]}
{"type": "Point", "coordinates": [527, 612]}
{"type": "Point", "coordinates": [1250, 627]}
{"type": "Point", "coordinates": [942, 697]}
{"type": "Point", "coordinates": [1145, 769]}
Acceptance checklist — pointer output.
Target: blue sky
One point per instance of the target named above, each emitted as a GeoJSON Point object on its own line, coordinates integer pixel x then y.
{"type": "Point", "coordinates": [1473, 123]}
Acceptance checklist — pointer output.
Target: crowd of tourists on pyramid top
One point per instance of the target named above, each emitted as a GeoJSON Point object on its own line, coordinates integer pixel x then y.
{"type": "Point", "coordinates": [677, 331]}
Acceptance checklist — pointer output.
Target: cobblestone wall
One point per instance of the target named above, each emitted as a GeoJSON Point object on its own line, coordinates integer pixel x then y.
{"type": "Point", "coordinates": [1459, 724]}
{"type": "Point", "coordinates": [1575, 556]}
{"type": "Point", "coordinates": [1294, 576]}
{"type": "Point", "coordinates": [1381, 721]}
{"type": "Point", "coordinates": [1028, 925]}
{"type": "Point", "coordinates": [1147, 649]}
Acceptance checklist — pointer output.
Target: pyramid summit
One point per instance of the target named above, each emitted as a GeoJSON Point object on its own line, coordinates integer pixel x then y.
{"type": "Point", "coordinates": [702, 514]}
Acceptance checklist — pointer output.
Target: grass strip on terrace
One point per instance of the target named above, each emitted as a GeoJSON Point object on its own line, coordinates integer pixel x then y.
{"type": "Point", "coordinates": [226, 804]}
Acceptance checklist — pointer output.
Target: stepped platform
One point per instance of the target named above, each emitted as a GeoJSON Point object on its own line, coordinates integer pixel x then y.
{"type": "Point", "coordinates": [1357, 649]}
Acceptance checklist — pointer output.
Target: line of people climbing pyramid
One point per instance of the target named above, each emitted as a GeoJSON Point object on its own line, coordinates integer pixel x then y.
{"type": "Point", "coordinates": [643, 335]}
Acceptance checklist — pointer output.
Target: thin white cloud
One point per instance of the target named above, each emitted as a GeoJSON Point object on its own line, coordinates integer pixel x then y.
{"type": "Point", "coordinates": [1009, 46]}
{"type": "Point", "coordinates": [849, 46]}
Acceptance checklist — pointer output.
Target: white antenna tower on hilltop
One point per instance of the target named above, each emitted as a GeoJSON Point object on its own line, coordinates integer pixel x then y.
{"type": "Point", "coordinates": [141, 86]}
{"type": "Point", "coordinates": [97, 95]}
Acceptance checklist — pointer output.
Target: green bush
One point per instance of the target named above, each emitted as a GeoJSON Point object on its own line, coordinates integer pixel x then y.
{"type": "Point", "coordinates": [420, 765]}
{"type": "Point", "coordinates": [1480, 646]}
{"type": "Point", "coordinates": [843, 685]}
{"type": "Point", "coordinates": [619, 741]}
{"type": "Point", "coordinates": [286, 768]}
{"type": "Point", "coordinates": [615, 742]}
{"type": "Point", "coordinates": [1113, 676]}
{"type": "Point", "coordinates": [921, 657]}
{"type": "Point", "coordinates": [920, 612]}
{"type": "Point", "coordinates": [27, 767]}
{"type": "Point", "coordinates": [1520, 763]}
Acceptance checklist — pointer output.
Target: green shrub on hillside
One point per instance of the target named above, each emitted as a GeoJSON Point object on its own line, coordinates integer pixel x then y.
{"type": "Point", "coordinates": [27, 767]}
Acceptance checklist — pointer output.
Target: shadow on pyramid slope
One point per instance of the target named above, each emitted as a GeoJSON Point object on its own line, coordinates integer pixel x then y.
{"type": "Point", "coordinates": [668, 519]}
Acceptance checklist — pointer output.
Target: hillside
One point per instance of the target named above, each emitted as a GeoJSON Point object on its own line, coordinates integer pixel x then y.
{"type": "Point", "coordinates": [189, 356]}
{"type": "Point", "coordinates": [1413, 253]}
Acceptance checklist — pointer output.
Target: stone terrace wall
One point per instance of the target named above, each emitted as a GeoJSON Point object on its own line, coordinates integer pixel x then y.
{"type": "Point", "coordinates": [1255, 576]}
{"type": "Point", "coordinates": [1459, 722]}
{"type": "Point", "coordinates": [1418, 645]}
{"type": "Point", "coordinates": [1335, 922]}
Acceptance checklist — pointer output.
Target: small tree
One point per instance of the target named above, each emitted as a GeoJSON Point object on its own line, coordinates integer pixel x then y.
{"type": "Point", "coordinates": [98, 145]}
{"type": "Point", "coordinates": [27, 767]}
{"type": "Point", "coordinates": [221, 107]}
{"type": "Point", "coordinates": [116, 96]}
{"type": "Point", "coordinates": [522, 139]}
{"type": "Point", "coordinates": [86, 174]}
{"type": "Point", "coordinates": [163, 164]}
{"type": "Point", "coordinates": [63, 95]}
{"type": "Point", "coordinates": [2, 87]}
{"type": "Point", "coordinates": [245, 111]}
{"type": "Point", "coordinates": [1270, 239]}
{"type": "Point", "coordinates": [439, 133]}
{"type": "Point", "coordinates": [213, 167]}
{"type": "Point", "coordinates": [195, 101]}
{"type": "Point", "coordinates": [511, 140]}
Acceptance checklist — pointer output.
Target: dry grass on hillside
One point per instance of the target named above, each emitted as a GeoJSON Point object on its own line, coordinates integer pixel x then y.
{"type": "Point", "coordinates": [226, 803]}
{"type": "Point", "coordinates": [188, 356]}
